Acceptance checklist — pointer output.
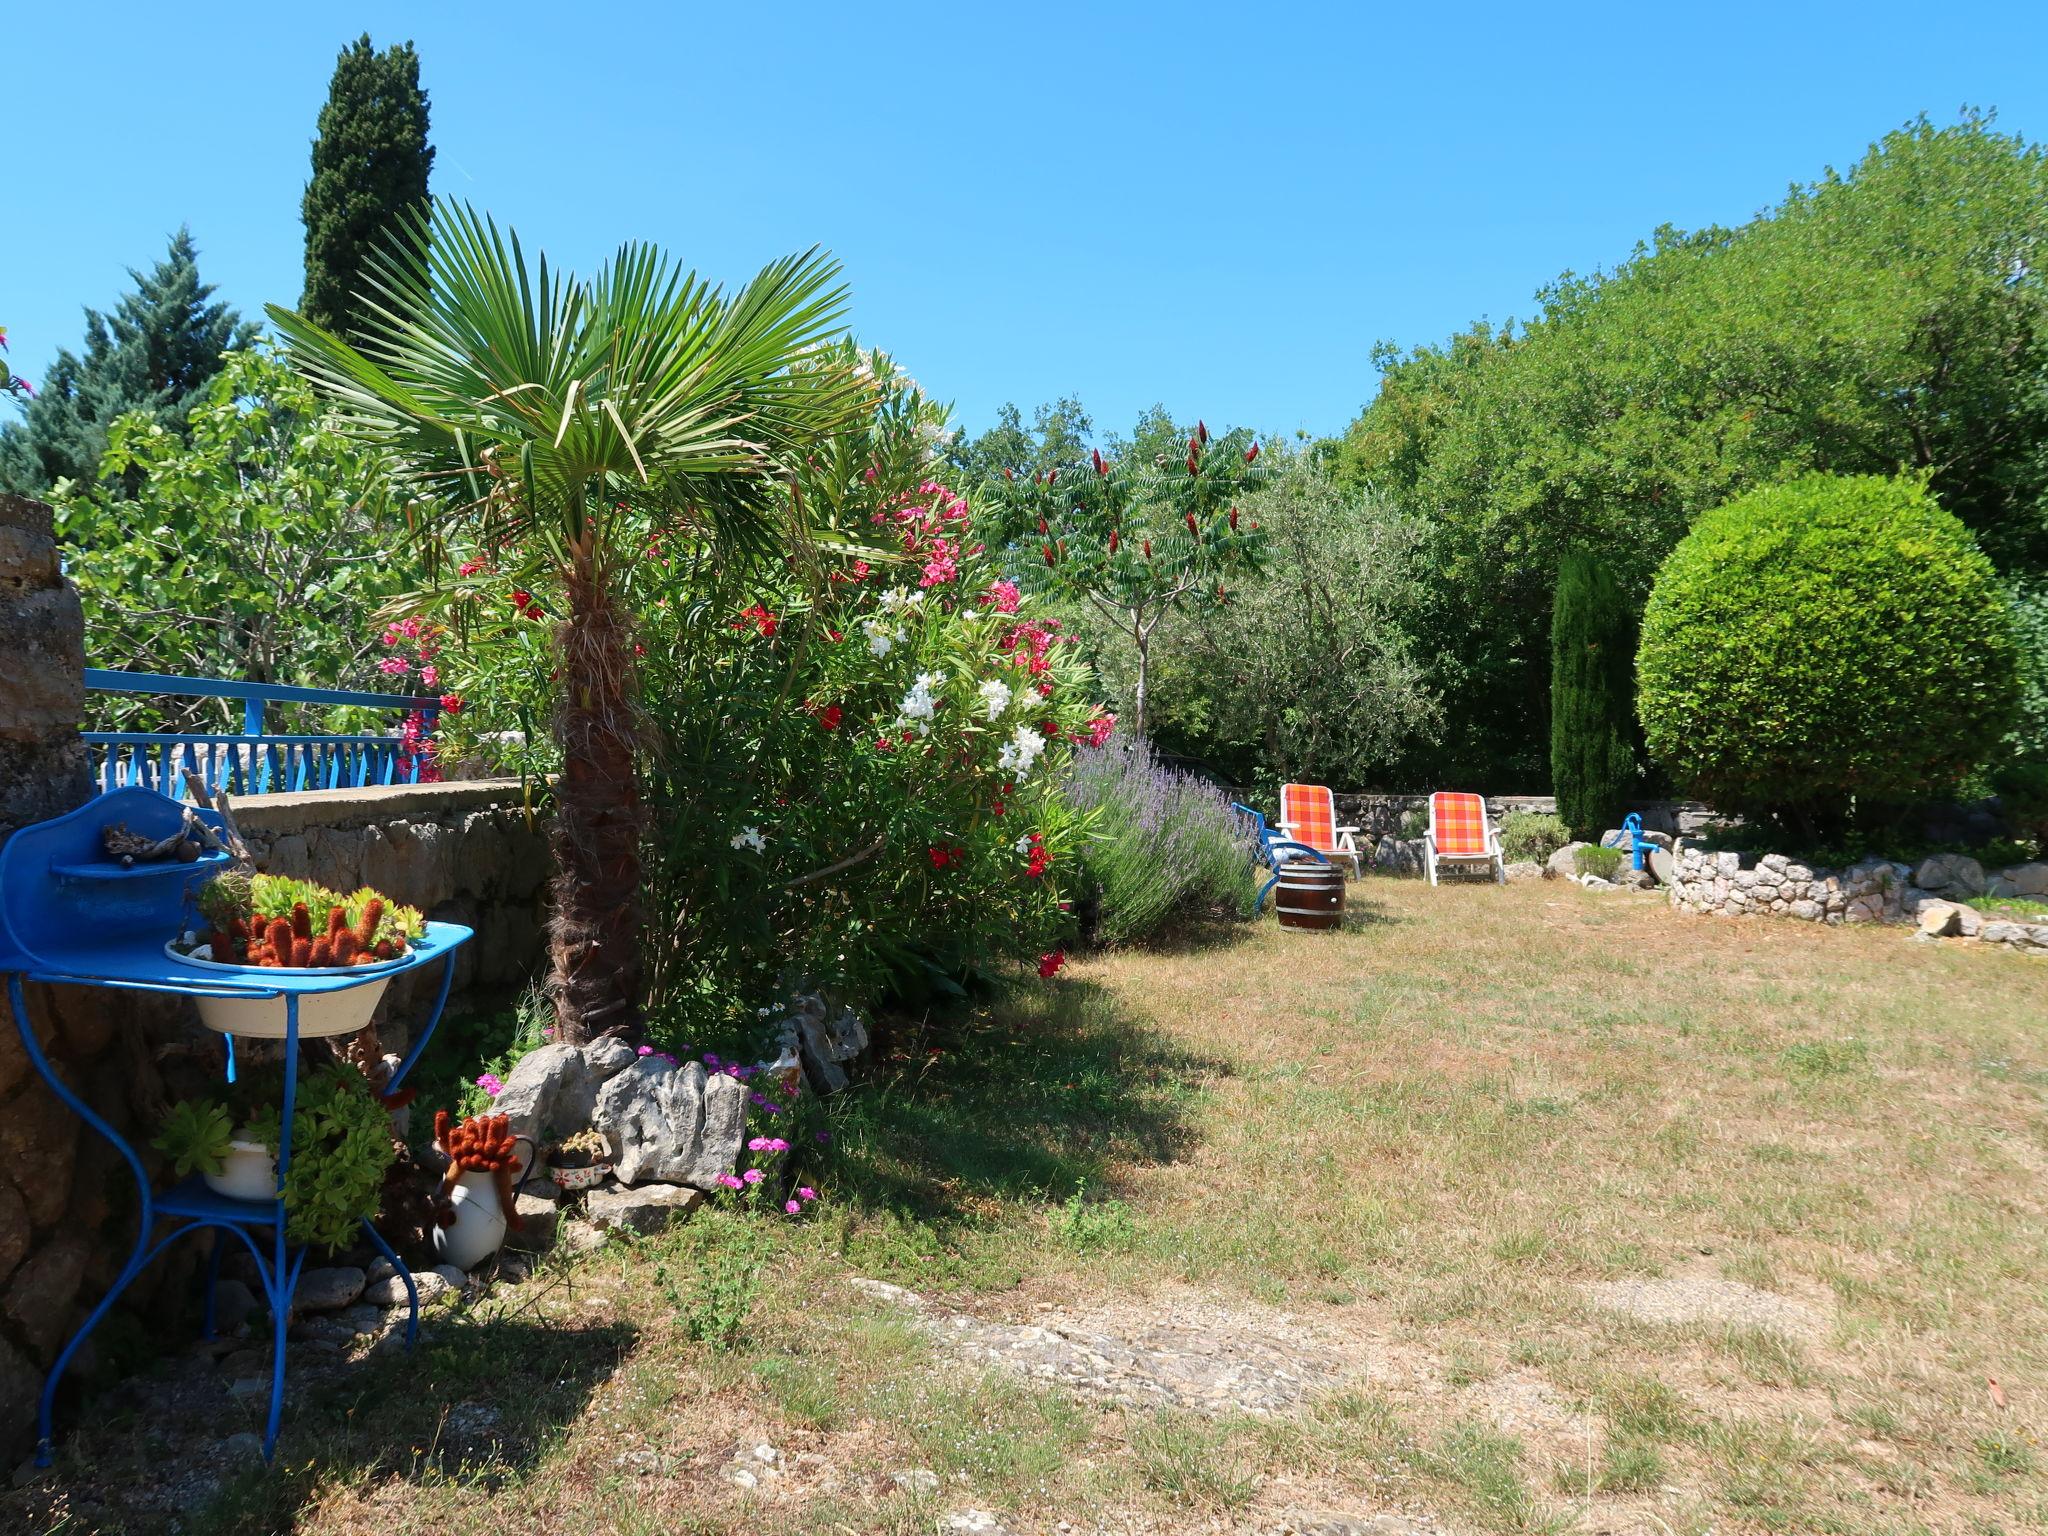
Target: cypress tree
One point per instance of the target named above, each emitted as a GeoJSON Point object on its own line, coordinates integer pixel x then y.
{"type": "Point", "coordinates": [1592, 656]}
{"type": "Point", "coordinates": [156, 352]}
{"type": "Point", "coordinates": [370, 166]}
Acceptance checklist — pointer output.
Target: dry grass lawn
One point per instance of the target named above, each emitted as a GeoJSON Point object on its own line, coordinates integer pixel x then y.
{"type": "Point", "coordinates": [1602, 1219]}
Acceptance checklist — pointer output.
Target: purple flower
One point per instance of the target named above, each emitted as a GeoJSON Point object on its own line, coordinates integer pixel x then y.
{"type": "Point", "coordinates": [710, 1058]}
{"type": "Point", "coordinates": [646, 1050]}
{"type": "Point", "coordinates": [491, 1084]}
{"type": "Point", "coordinates": [770, 1109]}
{"type": "Point", "coordinates": [823, 1137]}
{"type": "Point", "coordinates": [753, 1175]}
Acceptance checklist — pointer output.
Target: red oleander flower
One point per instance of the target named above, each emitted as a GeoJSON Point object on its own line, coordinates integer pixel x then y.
{"type": "Point", "coordinates": [1049, 963]}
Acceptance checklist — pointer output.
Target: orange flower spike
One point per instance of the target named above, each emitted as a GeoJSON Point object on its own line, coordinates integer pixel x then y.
{"type": "Point", "coordinates": [279, 936]}
{"type": "Point", "coordinates": [302, 953]}
{"type": "Point", "coordinates": [323, 954]}
{"type": "Point", "coordinates": [302, 921]}
{"type": "Point", "coordinates": [337, 920]}
{"type": "Point", "coordinates": [345, 948]}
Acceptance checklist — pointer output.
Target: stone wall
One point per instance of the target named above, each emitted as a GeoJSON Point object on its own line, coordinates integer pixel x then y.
{"type": "Point", "coordinates": [1934, 894]}
{"type": "Point", "coordinates": [461, 852]}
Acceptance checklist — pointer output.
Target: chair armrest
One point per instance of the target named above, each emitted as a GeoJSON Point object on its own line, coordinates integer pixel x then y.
{"type": "Point", "coordinates": [1287, 842]}
{"type": "Point", "coordinates": [1346, 829]}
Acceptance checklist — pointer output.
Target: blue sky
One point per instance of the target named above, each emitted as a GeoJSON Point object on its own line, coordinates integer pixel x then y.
{"type": "Point", "coordinates": [1221, 208]}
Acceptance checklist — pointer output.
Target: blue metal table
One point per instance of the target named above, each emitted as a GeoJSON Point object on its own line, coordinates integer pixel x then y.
{"type": "Point", "coordinates": [70, 915]}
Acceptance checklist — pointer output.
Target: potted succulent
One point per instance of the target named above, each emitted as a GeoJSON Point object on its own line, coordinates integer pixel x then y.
{"type": "Point", "coordinates": [475, 1204]}
{"type": "Point", "coordinates": [580, 1161]}
{"type": "Point", "coordinates": [271, 922]}
{"type": "Point", "coordinates": [341, 1148]}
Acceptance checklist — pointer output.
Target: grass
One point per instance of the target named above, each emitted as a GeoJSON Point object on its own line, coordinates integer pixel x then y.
{"type": "Point", "coordinates": [1419, 1143]}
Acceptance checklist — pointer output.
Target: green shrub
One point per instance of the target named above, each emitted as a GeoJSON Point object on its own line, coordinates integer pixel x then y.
{"type": "Point", "coordinates": [1830, 644]}
{"type": "Point", "coordinates": [1603, 862]}
{"type": "Point", "coordinates": [1166, 844]}
{"type": "Point", "coordinates": [1531, 835]}
{"type": "Point", "coordinates": [1592, 650]}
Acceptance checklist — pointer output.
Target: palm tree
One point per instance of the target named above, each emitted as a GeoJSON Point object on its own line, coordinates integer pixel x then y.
{"type": "Point", "coordinates": [554, 417]}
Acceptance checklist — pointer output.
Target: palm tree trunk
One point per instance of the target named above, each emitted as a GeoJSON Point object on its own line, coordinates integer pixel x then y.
{"type": "Point", "coordinates": [594, 950]}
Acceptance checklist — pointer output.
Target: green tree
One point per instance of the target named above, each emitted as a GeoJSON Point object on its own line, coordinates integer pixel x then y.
{"type": "Point", "coordinates": [1892, 316]}
{"type": "Point", "coordinates": [155, 353]}
{"type": "Point", "coordinates": [1592, 664]}
{"type": "Point", "coordinates": [1139, 537]}
{"type": "Point", "coordinates": [1818, 652]}
{"type": "Point", "coordinates": [257, 550]}
{"type": "Point", "coordinates": [1309, 671]}
{"type": "Point", "coordinates": [1059, 437]}
{"type": "Point", "coordinates": [370, 166]}
{"type": "Point", "coordinates": [565, 426]}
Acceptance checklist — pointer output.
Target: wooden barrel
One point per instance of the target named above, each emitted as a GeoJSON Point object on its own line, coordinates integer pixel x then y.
{"type": "Point", "coordinates": [1310, 895]}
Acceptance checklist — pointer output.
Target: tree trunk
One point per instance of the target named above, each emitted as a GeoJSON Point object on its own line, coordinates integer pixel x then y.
{"type": "Point", "coordinates": [596, 969]}
{"type": "Point", "coordinates": [1143, 642]}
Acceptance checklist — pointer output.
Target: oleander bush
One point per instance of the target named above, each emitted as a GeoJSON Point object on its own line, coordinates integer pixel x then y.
{"type": "Point", "coordinates": [1817, 651]}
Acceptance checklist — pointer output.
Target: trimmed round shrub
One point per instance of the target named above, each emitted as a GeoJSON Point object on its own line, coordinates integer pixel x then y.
{"type": "Point", "coordinates": [1832, 643]}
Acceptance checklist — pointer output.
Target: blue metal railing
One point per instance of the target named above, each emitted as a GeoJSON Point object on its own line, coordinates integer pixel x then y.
{"type": "Point", "coordinates": [256, 762]}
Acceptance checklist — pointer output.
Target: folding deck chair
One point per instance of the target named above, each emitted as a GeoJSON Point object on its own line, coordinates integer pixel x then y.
{"type": "Point", "coordinates": [1308, 814]}
{"type": "Point", "coordinates": [1274, 850]}
{"type": "Point", "coordinates": [1460, 833]}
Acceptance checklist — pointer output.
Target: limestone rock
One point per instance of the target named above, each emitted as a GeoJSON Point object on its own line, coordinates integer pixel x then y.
{"type": "Point", "coordinates": [550, 1093]}
{"type": "Point", "coordinates": [1938, 920]}
{"type": "Point", "coordinates": [1563, 862]}
{"type": "Point", "coordinates": [672, 1124]}
{"type": "Point", "coordinates": [2028, 936]}
{"type": "Point", "coordinates": [328, 1290]}
{"type": "Point", "coordinates": [2027, 879]}
{"type": "Point", "coordinates": [391, 1292]}
{"type": "Point", "coordinates": [608, 1057]}
{"type": "Point", "coordinates": [1525, 869]}
{"type": "Point", "coordinates": [456, 1279]}
{"type": "Point", "coordinates": [234, 1305]}
{"type": "Point", "coordinates": [640, 1211]}
{"type": "Point", "coordinates": [1952, 874]}
{"type": "Point", "coordinates": [538, 1219]}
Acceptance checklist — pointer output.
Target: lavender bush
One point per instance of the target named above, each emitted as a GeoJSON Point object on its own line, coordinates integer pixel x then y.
{"type": "Point", "coordinates": [1166, 844]}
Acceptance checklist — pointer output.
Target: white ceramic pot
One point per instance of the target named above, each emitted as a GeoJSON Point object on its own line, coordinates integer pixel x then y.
{"type": "Point", "coordinates": [248, 1172]}
{"type": "Point", "coordinates": [479, 1229]}
{"type": "Point", "coordinates": [320, 1013]}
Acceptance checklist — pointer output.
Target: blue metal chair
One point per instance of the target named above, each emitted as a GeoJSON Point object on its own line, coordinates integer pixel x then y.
{"type": "Point", "coordinates": [72, 916]}
{"type": "Point", "coordinates": [1274, 850]}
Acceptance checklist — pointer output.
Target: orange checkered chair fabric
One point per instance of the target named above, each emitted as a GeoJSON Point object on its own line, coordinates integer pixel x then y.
{"type": "Point", "coordinates": [1459, 821]}
{"type": "Point", "coordinates": [1309, 815]}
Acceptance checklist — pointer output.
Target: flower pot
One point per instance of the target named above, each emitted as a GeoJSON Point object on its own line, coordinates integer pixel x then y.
{"type": "Point", "coordinates": [320, 1013]}
{"type": "Point", "coordinates": [248, 1172]}
{"type": "Point", "coordinates": [479, 1228]}
{"type": "Point", "coordinates": [587, 1177]}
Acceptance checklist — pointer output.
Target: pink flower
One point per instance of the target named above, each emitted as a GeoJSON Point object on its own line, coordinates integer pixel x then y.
{"type": "Point", "coordinates": [791, 1207]}
{"type": "Point", "coordinates": [392, 666]}
{"type": "Point", "coordinates": [1004, 595]}
{"type": "Point", "coordinates": [805, 1192]}
{"type": "Point", "coordinates": [470, 567]}
{"type": "Point", "coordinates": [729, 1181]}
{"type": "Point", "coordinates": [430, 675]}
{"type": "Point", "coordinates": [777, 1144]}
{"type": "Point", "coordinates": [646, 1050]}
{"type": "Point", "coordinates": [1050, 962]}
{"type": "Point", "coordinates": [491, 1084]}
{"type": "Point", "coordinates": [1099, 729]}
{"type": "Point", "coordinates": [753, 1175]}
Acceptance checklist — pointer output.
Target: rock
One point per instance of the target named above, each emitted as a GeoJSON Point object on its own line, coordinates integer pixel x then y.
{"type": "Point", "coordinates": [974, 1522]}
{"type": "Point", "coordinates": [538, 1219]}
{"type": "Point", "coordinates": [2027, 879]}
{"type": "Point", "coordinates": [1524, 869]}
{"type": "Point", "coordinates": [608, 1057]}
{"type": "Point", "coordinates": [672, 1124]}
{"type": "Point", "coordinates": [391, 1292]}
{"type": "Point", "coordinates": [1563, 862]}
{"type": "Point", "coordinates": [363, 1319]}
{"type": "Point", "coordinates": [1952, 874]}
{"type": "Point", "coordinates": [580, 1237]}
{"type": "Point", "coordinates": [1637, 880]}
{"type": "Point", "coordinates": [328, 1290]}
{"type": "Point", "coordinates": [1595, 883]}
{"type": "Point", "coordinates": [1398, 856]}
{"type": "Point", "coordinates": [1969, 922]}
{"type": "Point", "coordinates": [550, 1094]}
{"type": "Point", "coordinates": [542, 1189]}
{"type": "Point", "coordinates": [2017, 935]}
{"type": "Point", "coordinates": [379, 1269]}
{"type": "Point", "coordinates": [742, 1477]}
{"type": "Point", "coordinates": [1938, 920]}
{"type": "Point", "coordinates": [247, 1443]}
{"type": "Point", "coordinates": [640, 1211]}
{"type": "Point", "coordinates": [247, 1362]}
{"type": "Point", "coordinates": [234, 1306]}
{"type": "Point", "coordinates": [916, 1480]}
{"type": "Point", "coordinates": [456, 1279]}
{"type": "Point", "coordinates": [249, 1386]}
{"type": "Point", "coordinates": [824, 1040]}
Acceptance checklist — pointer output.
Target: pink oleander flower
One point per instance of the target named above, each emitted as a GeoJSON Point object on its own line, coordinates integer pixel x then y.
{"type": "Point", "coordinates": [393, 666]}
{"type": "Point", "coordinates": [430, 675]}
{"type": "Point", "coordinates": [1003, 595]}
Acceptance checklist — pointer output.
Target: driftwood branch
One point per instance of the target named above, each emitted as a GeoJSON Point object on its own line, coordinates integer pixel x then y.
{"type": "Point", "coordinates": [217, 802]}
{"type": "Point", "coordinates": [844, 864]}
